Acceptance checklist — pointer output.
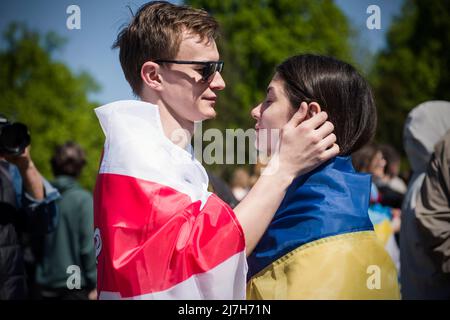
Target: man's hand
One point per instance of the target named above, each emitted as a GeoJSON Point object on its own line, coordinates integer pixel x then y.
{"type": "Point", "coordinates": [304, 144]}
{"type": "Point", "coordinates": [21, 161]}
{"type": "Point", "coordinates": [93, 294]}
{"type": "Point", "coordinates": [32, 179]}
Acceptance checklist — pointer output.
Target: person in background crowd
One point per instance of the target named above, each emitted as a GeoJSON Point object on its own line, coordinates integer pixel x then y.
{"type": "Point", "coordinates": [385, 219]}
{"type": "Point", "coordinates": [433, 216]}
{"type": "Point", "coordinates": [240, 183]}
{"type": "Point", "coordinates": [68, 252]}
{"type": "Point", "coordinates": [385, 175]}
{"type": "Point", "coordinates": [392, 170]}
{"type": "Point", "coordinates": [218, 186]}
{"type": "Point", "coordinates": [392, 187]}
{"type": "Point", "coordinates": [261, 163]}
{"type": "Point", "coordinates": [27, 205]}
{"type": "Point", "coordinates": [421, 276]}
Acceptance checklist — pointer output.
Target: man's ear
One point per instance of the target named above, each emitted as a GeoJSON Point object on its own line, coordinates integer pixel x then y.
{"type": "Point", "coordinates": [150, 75]}
{"type": "Point", "coordinates": [313, 109]}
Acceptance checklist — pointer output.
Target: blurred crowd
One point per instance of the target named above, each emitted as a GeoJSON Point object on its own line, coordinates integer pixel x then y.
{"type": "Point", "coordinates": [46, 228]}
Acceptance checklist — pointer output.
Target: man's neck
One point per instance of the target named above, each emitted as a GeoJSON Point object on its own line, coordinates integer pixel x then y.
{"type": "Point", "coordinates": [175, 129]}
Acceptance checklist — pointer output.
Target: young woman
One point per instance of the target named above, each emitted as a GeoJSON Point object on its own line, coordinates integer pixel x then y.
{"type": "Point", "coordinates": [321, 243]}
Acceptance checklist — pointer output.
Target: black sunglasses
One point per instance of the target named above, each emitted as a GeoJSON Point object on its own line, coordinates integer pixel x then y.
{"type": "Point", "coordinates": [209, 67]}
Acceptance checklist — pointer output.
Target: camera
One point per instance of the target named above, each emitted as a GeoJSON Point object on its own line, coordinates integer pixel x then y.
{"type": "Point", "coordinates": [14, 137]}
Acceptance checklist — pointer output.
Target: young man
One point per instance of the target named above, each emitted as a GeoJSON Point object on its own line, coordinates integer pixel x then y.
{"type": "Point", "coordinates": [159, 233]}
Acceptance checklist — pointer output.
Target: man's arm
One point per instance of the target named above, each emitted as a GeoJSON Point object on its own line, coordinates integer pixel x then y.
{"type": "Point", "coordinates": [31, 177]}
{"type": "Point", "coordinates": [304, 145]}
{"type": "Point", "coordinates": [37, 199]}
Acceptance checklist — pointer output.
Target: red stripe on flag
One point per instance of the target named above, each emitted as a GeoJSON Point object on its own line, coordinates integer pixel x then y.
{"type": "Point", "coordinates": [153, 237]}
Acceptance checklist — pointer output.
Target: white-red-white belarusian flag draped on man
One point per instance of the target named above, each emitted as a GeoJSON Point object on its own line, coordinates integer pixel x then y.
{"type": "Point", "coordinates": [159, 233]}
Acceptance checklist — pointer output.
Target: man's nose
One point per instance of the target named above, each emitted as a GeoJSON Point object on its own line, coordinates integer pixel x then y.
{"type": "Point", "coordinates": [217, 83]}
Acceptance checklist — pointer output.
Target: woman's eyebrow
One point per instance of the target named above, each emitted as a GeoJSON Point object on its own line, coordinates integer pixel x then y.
{"type": "Point", "coordinates": [270, 91]}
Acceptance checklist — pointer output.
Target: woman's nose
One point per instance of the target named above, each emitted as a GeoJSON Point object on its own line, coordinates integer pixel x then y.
{"type": "Point", "coordinates": [256, 112]}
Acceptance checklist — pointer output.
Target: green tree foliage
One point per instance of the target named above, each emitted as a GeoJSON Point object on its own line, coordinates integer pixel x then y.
{"type": "Point", "coordinates": [415, 65]}
{"type": "Point", "coordinates": [44, 94]}
{"type": "Point", "coordinates": [257, 35]}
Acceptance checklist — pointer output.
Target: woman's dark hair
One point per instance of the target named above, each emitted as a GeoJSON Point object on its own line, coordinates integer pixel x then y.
{"type": "Point", "coordinates": [68, 159]}
{"type": "Point", "coordinates": [339, 90]}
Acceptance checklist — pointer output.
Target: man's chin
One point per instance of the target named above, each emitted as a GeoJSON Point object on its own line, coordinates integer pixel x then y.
{"type": "Point", "coordinates": [209, 114]}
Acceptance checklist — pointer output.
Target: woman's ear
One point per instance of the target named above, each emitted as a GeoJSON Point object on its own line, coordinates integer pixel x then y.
{"type": "Point", "coordinates": [313, 109]}
{"type": "Point", "coordinates": [150, 75]}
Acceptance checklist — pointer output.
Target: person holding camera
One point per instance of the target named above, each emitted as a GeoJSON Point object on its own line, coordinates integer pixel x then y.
{"type": "Point", "coordinates": [27, 204]}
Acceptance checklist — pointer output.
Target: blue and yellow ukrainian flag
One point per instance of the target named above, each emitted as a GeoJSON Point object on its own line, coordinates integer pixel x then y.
{"type": "Point", "coordinates": [321, 243]}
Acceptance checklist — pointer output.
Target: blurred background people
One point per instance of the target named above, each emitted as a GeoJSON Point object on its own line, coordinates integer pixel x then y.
{"type": "Point", "coordinates": [391, 187]}
{"type": "Point", "coordinates": [27, 204]}
{"type": "Point", "coordinates": [240, 183]}
{"type": "Point", "coordinates": [261, 162]}
{"type": "Point", "coordinates": [385, 219]}
{"type": "Point", "coordinates": [421, 277]}
{"type": "Point", "coordinates": [391, 177]}
{"type": "Point", "coordinates": [72, 243]}
{"type": "Point", "coordinates": [218, 186]}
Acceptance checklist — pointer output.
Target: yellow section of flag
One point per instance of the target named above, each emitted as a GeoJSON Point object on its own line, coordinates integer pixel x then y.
{"type": "Point", "coordinates": [348, 266]}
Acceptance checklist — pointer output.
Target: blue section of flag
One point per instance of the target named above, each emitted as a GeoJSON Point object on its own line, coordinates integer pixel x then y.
{"type": "Point", "coordinates": [331, 200]}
